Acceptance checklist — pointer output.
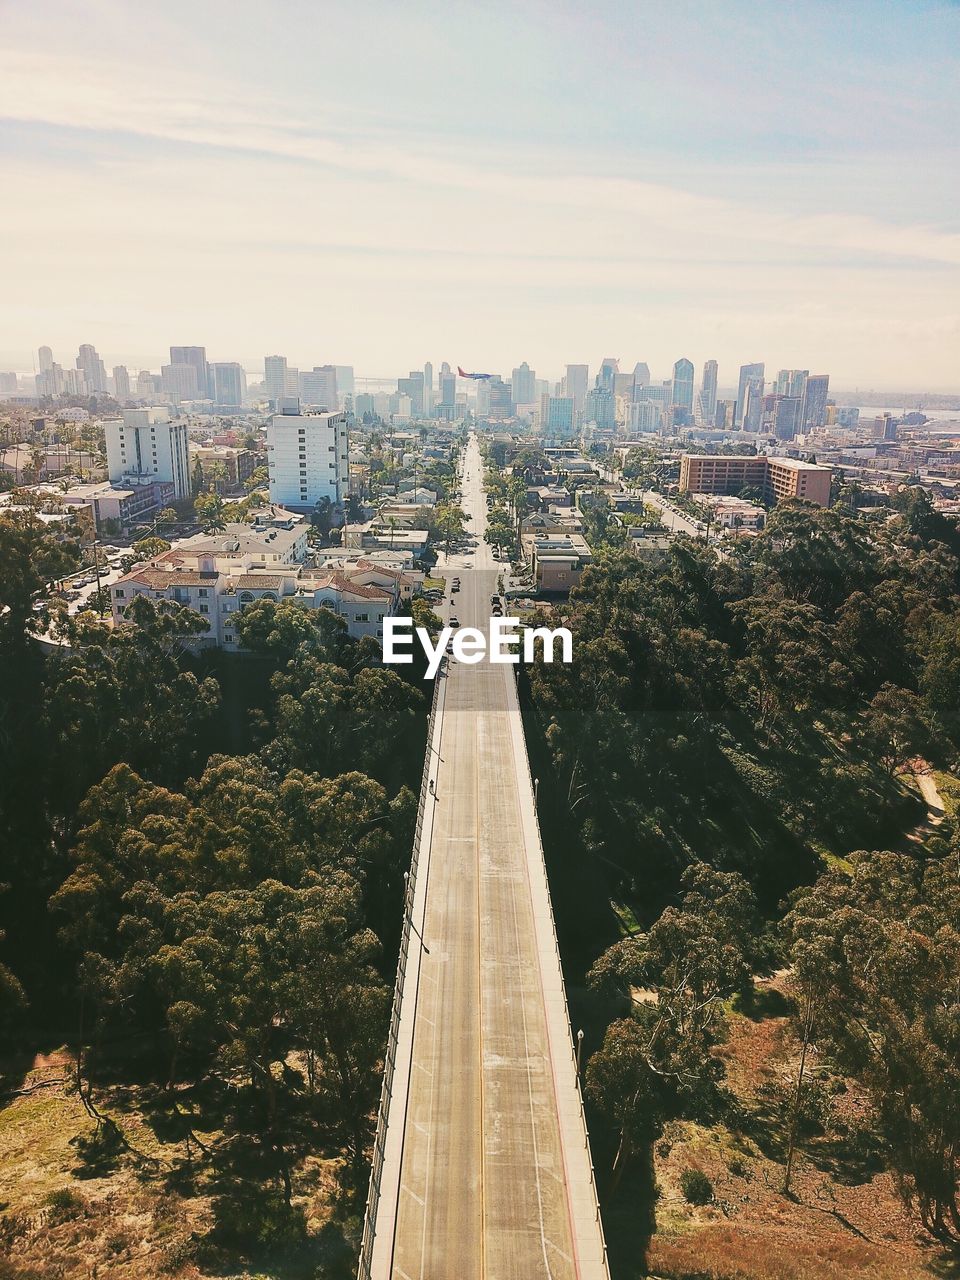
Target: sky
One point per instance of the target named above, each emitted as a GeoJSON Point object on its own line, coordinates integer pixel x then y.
{"type": "Point", "coordinates": [379, 184]}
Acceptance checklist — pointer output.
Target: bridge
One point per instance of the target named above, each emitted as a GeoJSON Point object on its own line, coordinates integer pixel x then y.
{"type": "Point", "coordinates": [481, 1167]}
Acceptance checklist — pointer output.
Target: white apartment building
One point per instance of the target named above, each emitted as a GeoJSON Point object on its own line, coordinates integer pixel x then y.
{"type": "Point", "coordinates": [307, 457]}
{"type": "Point", "coordinates": [146, 444]}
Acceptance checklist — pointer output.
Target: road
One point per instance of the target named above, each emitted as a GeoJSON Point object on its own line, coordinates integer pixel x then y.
{"type": "Point", "coordinates": [487, 1169]}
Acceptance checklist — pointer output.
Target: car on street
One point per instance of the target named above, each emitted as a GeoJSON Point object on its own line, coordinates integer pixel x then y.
{"type": "Point", "coordinates": [454, 622]}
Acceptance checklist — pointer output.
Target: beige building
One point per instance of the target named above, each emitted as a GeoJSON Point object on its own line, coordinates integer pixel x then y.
{"type": "Point", "coordinates": [778, 479]}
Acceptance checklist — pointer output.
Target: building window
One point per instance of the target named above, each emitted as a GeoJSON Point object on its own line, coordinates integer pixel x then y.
{"type": "Point", "coordinates": [204, 608]}
{"type": "Point", "coordinates": [203, 592]}
{"type": "Point", "coordinates": [118, 593]}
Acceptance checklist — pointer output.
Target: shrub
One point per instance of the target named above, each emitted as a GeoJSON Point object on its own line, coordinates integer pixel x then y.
{"type": "Point", "coordinates": [696, 1186]}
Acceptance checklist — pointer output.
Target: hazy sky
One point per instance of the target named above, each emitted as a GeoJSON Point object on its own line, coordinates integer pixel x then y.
{"type": "Point", "coordinates": [385, 183]}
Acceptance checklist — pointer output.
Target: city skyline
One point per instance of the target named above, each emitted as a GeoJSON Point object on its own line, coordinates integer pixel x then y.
{"type": "Point", "coordinates": [456, 179]}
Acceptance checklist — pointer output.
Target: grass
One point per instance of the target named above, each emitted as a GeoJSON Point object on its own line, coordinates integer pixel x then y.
{"type": "Point", "coordinates": [434, 584]}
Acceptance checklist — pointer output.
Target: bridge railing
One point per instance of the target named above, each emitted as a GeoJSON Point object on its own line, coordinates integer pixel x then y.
{"type": "Point", "coordinates": [390, 1056]}
{"type": "Point", "coordinates": [569, 1025]}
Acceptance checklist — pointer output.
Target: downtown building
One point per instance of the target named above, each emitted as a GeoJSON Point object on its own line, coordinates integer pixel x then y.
{"type": "Point", "coordinates": [146, 447]}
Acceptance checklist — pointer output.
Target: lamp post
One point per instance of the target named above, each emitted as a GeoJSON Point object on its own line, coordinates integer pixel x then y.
{"type": "Point", "coordinates": [579, 1050]}
{"type": "Point", "coordinates": [536, 792]}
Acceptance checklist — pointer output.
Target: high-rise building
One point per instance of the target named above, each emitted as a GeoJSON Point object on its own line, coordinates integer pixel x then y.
{"type": "Point", "coordinates": [792, 382]}
{"type": "Point", "coordinates": [180, 382]}
{"type": "Point", "coordinates": [91, 366]}
{"type": "Point", "coordinates": [412, 386]}
{"type": "Point", "coordinates": [558, 419]}
{"type": "Point", "coordinates": [607, 377]}
{"type": "Point", "coordinates": [751, 375]}
{"type": "Point", "coordinates": [645, 415]}
{"type": "Point", "coordinates": [725, 415]}
{"type": "Point", "coordinates": [197, 357]}
{"type": "Point", "coordinates": [307, 457]}
{"type": "Point", "coordinates": [708, 390]}
{"type": "Point", "coordinates": [601, 406]}
{"type": "Point", "coordinates": [345, 386]}
{"type": "Point", "coordinates": [788, 417]}
{"type": "Point", "coordinates": [45, 359]}
{"type": "Point", "coordinates": [318, 388]}
{"type": "Point", "coordinates": [751, 418]}
{"type": "Point", "coordinates": [121, 382]}
{"type": "Point", "coordinates": [363, 404]}
{"type": "Point", "coordinates": [523, 384]}
{"type": "Point", "coordinates": [228, 383]}
{"type": "Point", "coordinates": [683, 384]}
{"type": "Point", "coordinates": [815, 404]}
{"type": "Point", "coordinates": [146, 444]}
{"type": "Point", "coordinates": [148, 384]}
{"type": "Point", "coordinates": [641, 375]}
{"type": "Point", "coordinates": [428, 398]}
{"type": "Point", "coordinates": [447, 408]}
{"type": "Point", "coordinates": [501, 399]}
{"type": "Point", "coordinates": [275, 378]}
{"type": "Point", "coordinates": [575, 383]}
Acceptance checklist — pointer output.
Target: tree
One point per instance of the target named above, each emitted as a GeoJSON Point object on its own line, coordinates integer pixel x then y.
{"type": "Point", "coordinates": [148, 548]}
{"type": "Point", "coordinates": [878, 952]}
{"type": "Point", "coordinates": [209, 509]}
{"type": "Point", "coordinates": [895, 727]}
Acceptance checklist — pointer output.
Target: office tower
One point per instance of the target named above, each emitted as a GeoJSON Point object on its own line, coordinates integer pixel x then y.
{"type": "Point", "coordinates": [483, 399]}
{"type": "Point", "coordinates": [307, 457]}
{"type": "Point", "coordinates": [523, 384]}
{"type": "Point", "coordinates": [606, 378]}
{"type": "Point", "coordinates": [91, 366]}
{"type": "Point", "coordinates": [645, 415]}
{"type": "Point", "coordinates": [345, 386]}
{"type": "Point", "coordinates": [275, 378]}
{"type": "Point", "coordinates": [501, 398]}
{"type": "Point", "coordinates": [751, 375]}
{"type": "Point", "coordinates": [364, 404]}
{"type": "Point", "coordinates": [318, 388]}
{"type": "Point", "coordinates": [751, 418]}
{"type": "Point", "coordinates": [683, 384]}
{"type": "Point", "coordinates": [792, 382]}
{"type": "Point", "coordinates": [146, 444]}
{"type": "Point", "coordinates": [815, 404]}
{"type": "Point", "coordinates": [197, 357]}
{"type": "Point", "coordinates": [428, 400]}
{"type": "Point", "coordinates": [575, 383]}
{"type": "Point", "coordinates": [787, 417]}
{"type": "Point", "coordinates": [725, 415]}
{"type": "Point", "coordinates": [148, 384]}
{"type": "Point", "coordinates": [8, 383]}
{"type": "Point", "coordinates": [121, 382]}
{"type": "Point", "coordinates": [75, 382]}
{"type": "Point", "coordinates": [708, 390]}
{"type": "Point", "coordinates": [447, 408]}
{"type": "Point", "coordinates": [412, 386]}
{"type": "Point", "coordinates": [228, 383]}
{"type": "Point", "coordinates": [50, 381]}
{"type": "Point", "coordinates": [601, 405]}
{"type": "Point", "coordinates": [45, 359]}
{"type": "Point", "coordinates": [445, 367]}
{"type": "Point", "coordinates": [558, 421]}
{"type": "Point", "coordinates": [641, 374]}
{"type": "Point", "coordinates": [180, 382]}
{"type": "Point", "coordinates": [848, 416]}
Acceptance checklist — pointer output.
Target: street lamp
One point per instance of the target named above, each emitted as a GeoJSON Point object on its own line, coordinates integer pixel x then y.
{"type": "Point", "coordinates": [579, 1049]}
{"type": "Point", "coordinates": [536, 792]}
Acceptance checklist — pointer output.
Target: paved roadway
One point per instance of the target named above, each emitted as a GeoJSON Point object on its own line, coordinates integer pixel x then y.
{"type": "Point", "coordinates": [490, 1177]}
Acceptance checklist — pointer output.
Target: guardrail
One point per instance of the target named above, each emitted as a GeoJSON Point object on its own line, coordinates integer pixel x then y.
{"type": "Point", "coordinates": [390, 1057]}
{"type": "Point", "coordinates": [556, 947]}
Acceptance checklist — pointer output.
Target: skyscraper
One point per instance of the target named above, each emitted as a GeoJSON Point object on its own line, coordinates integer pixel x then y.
{"type": "Point", "coordinates": [601, 406]}
{"type": "Point", "coordinates": [275, 377]}
{"type": "Point", "coordinates": [708, 390]}
{"type": "Point", "coordinates": [428, 400]}
{"type": "Point", "coordinates": [412, 386]}
{"type": "Point", "coordinates": [180, 382]}
{"type": "Point", "coordinates": [751, 375]}
{"type": "Point", "coordinates": [196, 356]}
{"type": "Point", "coordinates": [523, 383]}
{"type": "Point", "coordinates": [607, 377]}
{"type": "Point", "coordinates": [558, 419]}
{"type": "Point", "coordinates": [307, 456]}
{"type": "Point", "coordinates": [90, 364]}
{"type": "Point", "coordinates": [641, 375]}
{"type": "Point", "coordinates": [344, 382]}
{"type": "Point", "coordinates": [228, 382]}
{"type": "Point", "coordinates": [121, 382]}
{"type": "Point", "coordinates": [575, 383]}
{"type": "Point", "coordinates": [45, 359]}
{"type": "Point", "coordinates": [318, 388]}
{"type": "Point", "coordinates": [751, 413]}
{"type": "Point", "coordinates": [683, 384]}
{"type": "Point", "coordinates": [815, 404]}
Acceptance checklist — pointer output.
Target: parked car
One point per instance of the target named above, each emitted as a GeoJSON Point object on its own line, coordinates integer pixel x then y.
{"type": "Point", "coordinates": [454, 622]}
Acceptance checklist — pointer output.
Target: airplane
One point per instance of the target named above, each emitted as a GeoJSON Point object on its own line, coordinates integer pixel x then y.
{"type": "Point", "coordinates": [483, 377]}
